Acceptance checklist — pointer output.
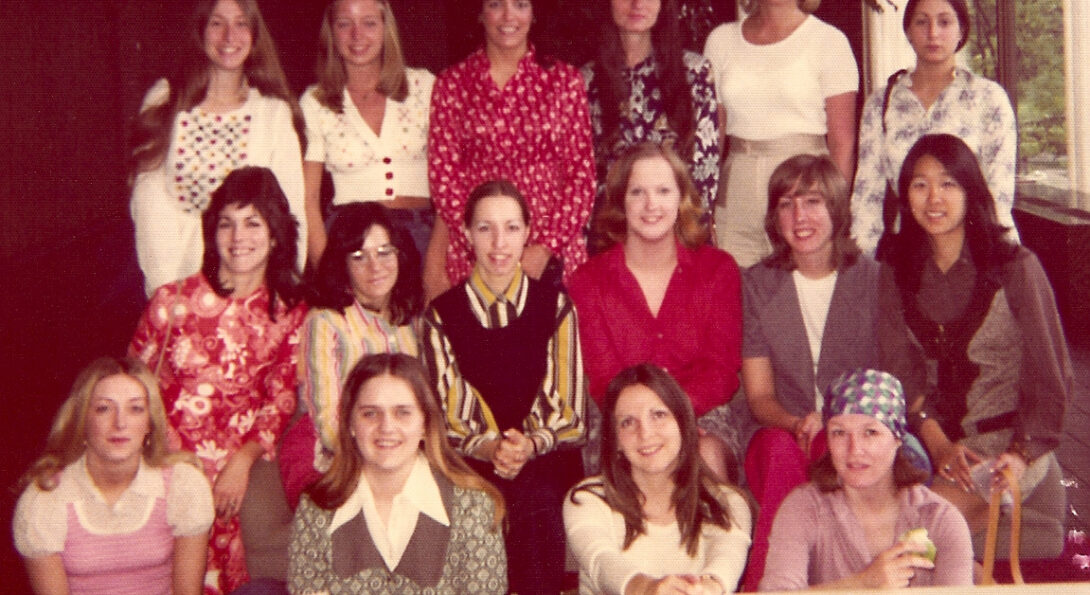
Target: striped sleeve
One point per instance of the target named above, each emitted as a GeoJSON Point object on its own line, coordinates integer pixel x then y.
{"type": "Point", "coordinates": [469, 421]}
{"type": "Point", "coordinates": [322, 369]}
{"type": "Point", "coordinates": [558, 415]}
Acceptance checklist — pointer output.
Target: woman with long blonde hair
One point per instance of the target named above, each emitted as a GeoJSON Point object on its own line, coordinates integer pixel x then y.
{"type": "Point", "coordinates": [106, 508]}
{"type": "Point", "coordinates": [367, 121]}
{"type": "Point", "coordinates": [225, 106]}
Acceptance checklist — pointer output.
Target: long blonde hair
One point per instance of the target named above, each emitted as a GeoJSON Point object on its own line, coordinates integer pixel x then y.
{"type": "Point", "coordinates": [68, 438]}
{"type": "Point", "coordinates": [332, 76]}
{"type": "Point", "coordinates": [189, 83]}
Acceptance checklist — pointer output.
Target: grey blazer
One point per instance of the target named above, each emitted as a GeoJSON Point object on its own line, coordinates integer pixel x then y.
{"type": "Point", "coordinates": [773, 328]}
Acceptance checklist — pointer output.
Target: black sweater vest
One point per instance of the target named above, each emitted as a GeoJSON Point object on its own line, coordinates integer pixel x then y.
{"type": "Point", "coordinates": [506, 365]}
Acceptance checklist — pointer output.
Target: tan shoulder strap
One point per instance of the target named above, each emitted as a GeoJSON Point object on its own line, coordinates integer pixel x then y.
{"type": "Point", "coordinates": [993, 532]}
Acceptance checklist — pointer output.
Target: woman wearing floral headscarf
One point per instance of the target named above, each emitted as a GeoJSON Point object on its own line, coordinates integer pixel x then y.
{"type": "Point", "coordinates": [847, 528]}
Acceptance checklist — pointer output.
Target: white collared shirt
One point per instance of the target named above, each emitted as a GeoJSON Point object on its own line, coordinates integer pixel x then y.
{"type": "Point", "coordinates": [420, 495]}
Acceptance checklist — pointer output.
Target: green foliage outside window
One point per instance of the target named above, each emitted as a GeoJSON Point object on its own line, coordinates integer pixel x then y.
{"type": "Point", "coordinates": [1042, 127]}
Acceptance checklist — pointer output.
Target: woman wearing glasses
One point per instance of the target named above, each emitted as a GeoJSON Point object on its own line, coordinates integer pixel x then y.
{"type": "Point", "coordinates": [368, 299]}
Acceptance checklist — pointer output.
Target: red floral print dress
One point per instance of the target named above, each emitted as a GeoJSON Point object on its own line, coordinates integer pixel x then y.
{"type": "Point", "coordinates": [227, 378]}
{"type": "Point", "coordinates": [535, 132]}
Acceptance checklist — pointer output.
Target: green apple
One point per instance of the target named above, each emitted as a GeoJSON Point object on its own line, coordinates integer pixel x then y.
{"type": "Point", "coordinates": [924, 547]}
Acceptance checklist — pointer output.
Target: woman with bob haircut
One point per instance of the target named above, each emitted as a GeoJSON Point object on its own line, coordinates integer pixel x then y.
{"type": "Point", "coordinates": [507, 112]}
{"type": "Point", "coordinates": [223, 343]}
{"type": "Point", "coordinates": [227, 105]}
{"type": "Point", "coordinates": [969, 323]}
{"type": "Point", "coordinates": [937, 96]}
{"type": "Point", "coordinates": [810, 313]}
{"type": "Point", "coordinates": [787, 84]}
{"type": "Point", "coordinates": [658, 522]}
{"type": "Point", "coordinates": [107, 509]}
{"type": "Point", "coordinates": [367, 121]}
{"type": "Point", "coordinates": [503, 351]}
{"type": "Point", "coordinates": [856, 525]}
{"type": "Point", "coordinates": [368, 300]}
{"type": "Point", "coordinates": [659, 293]}
{"type": "Point", "coordinates": [407, 518]}
{"type": "Point", "coordinates": [643, 86]}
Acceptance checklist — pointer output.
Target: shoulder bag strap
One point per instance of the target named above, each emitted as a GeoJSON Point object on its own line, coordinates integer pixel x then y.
{"type": "Point", "coordinates": [993, 532]}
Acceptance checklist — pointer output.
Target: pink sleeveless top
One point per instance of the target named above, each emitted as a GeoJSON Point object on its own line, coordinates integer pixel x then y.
{"type": "Point", "coordinates": [136, 563]}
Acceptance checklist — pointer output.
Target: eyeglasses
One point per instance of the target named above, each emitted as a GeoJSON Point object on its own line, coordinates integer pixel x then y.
{"type": "Point", "coordinates": [384, 254]}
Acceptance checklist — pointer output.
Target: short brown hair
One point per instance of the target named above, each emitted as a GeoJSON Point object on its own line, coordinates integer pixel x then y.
{"type": "Point", "coordinates": [905, 474]}
{"type": "Point", "coordinates": [609, 224]}
{"type": "Point", "coordinates": [799, 174]}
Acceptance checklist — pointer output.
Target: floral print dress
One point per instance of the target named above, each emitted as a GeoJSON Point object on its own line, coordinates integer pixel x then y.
{"type": "Point", "coordinates": [227, 376]}
{"type": "Point", "coordinates": [644, 119]}
{"type": "Point", "coordinates": [535, 132]}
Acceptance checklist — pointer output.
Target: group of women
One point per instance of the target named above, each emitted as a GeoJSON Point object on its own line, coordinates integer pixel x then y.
{"type": "Point", "coordinates": [443, 440]}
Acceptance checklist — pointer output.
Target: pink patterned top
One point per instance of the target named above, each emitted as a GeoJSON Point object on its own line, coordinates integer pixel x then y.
{"type": "Point", "coordinates": [535, 132]}
{"type": "Point", "coordinates": [229, 372]}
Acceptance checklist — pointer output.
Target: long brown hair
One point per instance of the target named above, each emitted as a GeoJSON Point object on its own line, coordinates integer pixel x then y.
{"type": "Point", "coordinates": [669, 57]}
{"type": "Point", "coordinates": [189, 82]}
{"type": "Point", "coordinates": [610, 225]}
{"type": "Point", "coordinates": [68, 438]}
{"type": "Point", "coordinates": [694, 499]}
{"type": "Point", "coordinates": [334, 488]}
{"type": "Point", "coordinates": [985, 237]}
{"type": "Point", "coordinates": [332, 76]}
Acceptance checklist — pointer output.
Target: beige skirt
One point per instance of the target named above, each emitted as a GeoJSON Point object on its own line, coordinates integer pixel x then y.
{"type": "Point", "coordinates": [743, 192]}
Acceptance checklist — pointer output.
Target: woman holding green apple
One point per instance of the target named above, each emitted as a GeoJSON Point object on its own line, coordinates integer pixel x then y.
{"type": "Point", "coordinates": [866, 521]}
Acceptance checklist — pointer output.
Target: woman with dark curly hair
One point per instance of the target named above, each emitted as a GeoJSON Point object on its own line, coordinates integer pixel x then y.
{"type": "Point", "coordinates": [222, 343]}
{"type": "Point", "coordinates": [368, 301]}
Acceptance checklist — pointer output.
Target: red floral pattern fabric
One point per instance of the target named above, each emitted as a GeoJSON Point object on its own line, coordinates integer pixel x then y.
{"type": "Point", "coordinates": [227, 377]}
{"type": "Point", "coordinates": [535, 132]}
